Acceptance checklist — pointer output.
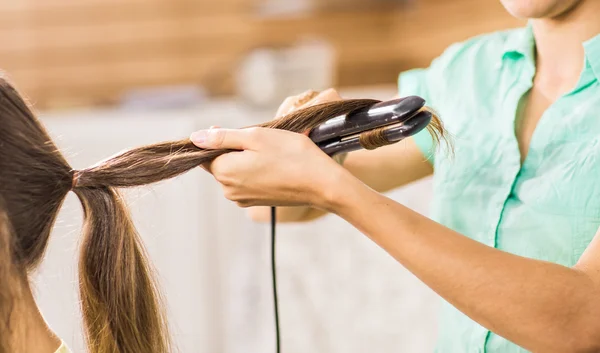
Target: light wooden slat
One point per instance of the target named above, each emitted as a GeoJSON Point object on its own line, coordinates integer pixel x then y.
{"type": "Point", "coordinates": [133, 72]}
{"type": "Point", "coordinates": [47, 58]}
{"type": "Point", "coordinates": [122, 33]}
{"type": "Point", "coordinates": [108, 14]}
{"type": "Point", "coordinates": [333, 24]}
{"type": "Point", "coordinates": [50, 5]}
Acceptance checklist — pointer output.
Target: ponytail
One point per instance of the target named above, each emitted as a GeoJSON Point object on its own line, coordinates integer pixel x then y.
{"type": "Point", "coordinates": [120, 303]}
{"type": "Point", "coordinates": [122, 310]}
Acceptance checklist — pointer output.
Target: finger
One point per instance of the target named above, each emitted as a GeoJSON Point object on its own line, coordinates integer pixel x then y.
{"type": "Point", "coordinates": [235, 139]}
{"type": "Point", "coordinates": [287, 104]}
{"type": "Point", "coordinates": [204, 166]}
{"type": "Point", "coordinates": [226, 167]}
{"type": "Point", "coordinates": [305, 97]}
{"type": "Point", "coordinates": [296, 102]}
{"type": "Point", "coordinates": [210, 166]}
{"type": "Point", "coordinates": [328, 95]}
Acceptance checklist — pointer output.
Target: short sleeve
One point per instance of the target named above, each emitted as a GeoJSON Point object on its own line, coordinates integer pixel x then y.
{"type": "Point", "coordinates": [428, 83]}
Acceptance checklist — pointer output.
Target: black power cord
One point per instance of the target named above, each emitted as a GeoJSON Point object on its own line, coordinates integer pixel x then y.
{"type": "Point", "coordinates": [274, 277]}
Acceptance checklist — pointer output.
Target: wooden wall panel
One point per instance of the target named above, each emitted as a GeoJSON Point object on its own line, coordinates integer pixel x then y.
{"type": "Point", "coordinates": [374, 48]}
{"type": "Point", "coordinates": [89, 51]}
{"type": "Point", "coordinates": [80, 52]}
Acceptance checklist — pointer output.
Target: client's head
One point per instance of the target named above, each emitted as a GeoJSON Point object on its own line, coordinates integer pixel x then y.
{"type": "Point", "coordinates": [121, 307]}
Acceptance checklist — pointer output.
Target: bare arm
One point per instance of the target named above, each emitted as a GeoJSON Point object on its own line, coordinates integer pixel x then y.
{"type": "Point", "coordinates": [383, 169]}
{"type": "Point", "coordinates": [541, 306]}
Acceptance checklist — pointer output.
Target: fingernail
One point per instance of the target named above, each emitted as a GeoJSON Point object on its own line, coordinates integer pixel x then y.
{"type": "Point", "coordinates": [199, 137]}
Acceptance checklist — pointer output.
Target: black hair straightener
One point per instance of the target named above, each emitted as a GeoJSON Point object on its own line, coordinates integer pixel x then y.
{"type": "Point", "coordinates": [398, 119]}
{"type": "Point", "coordinates": [392, 120]}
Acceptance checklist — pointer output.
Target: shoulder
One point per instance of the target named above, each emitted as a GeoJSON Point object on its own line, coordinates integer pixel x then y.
{"type": "Point", "coordinates": [477, 52]}
{"type": "Point", "coordinates": [473, 59]}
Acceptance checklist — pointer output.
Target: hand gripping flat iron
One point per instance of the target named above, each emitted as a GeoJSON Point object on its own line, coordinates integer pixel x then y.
{"type": "Point", "coordinates": [392, 121]}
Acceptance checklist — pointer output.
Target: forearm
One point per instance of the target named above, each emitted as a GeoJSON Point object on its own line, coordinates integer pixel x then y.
{"type": "Point", "coordinates": [538, 305]}
{"type": "Point", "coordinates": [285, 214]}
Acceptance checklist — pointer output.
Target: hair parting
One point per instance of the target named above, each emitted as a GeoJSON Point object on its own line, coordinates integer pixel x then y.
{"type": "Point", "coordinates": [121, 303]}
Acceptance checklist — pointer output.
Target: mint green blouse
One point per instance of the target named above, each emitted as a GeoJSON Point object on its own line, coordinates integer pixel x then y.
{"type": "Point", "coordinates": [548, 208]}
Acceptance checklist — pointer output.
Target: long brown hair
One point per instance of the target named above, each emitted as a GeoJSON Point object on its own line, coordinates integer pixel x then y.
{"type": "Point", "coordinates": [120, 301]}
{"type": "Point", "coordinates": [121, 305]}
{"type": "Point", "coordinates": [12, 284]}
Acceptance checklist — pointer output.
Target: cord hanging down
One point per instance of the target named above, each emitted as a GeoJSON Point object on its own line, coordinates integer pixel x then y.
{"type": "Point", "coordinates": [274, 277]}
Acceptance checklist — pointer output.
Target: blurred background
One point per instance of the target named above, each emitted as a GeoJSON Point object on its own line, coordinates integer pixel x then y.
{"type": "Point", "coordinates": [107, 75]}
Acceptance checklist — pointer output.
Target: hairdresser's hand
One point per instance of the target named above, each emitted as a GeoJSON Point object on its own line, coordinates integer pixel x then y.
{"type": "Point", "coordinates": [273, 168]}
{"type": "Point", "coordinates": [307, 99]}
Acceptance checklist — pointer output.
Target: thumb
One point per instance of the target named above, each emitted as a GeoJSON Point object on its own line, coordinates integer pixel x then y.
{"type": "Point", "coordinates": [214, 138]}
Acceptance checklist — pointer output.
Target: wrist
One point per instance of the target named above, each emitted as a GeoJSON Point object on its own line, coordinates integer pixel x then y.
{"type": "Point", "coordinates": [339, 190]}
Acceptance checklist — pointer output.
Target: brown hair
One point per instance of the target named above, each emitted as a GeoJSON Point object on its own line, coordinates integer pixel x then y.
{"type": "Point", "coordinates": [120, 302]}
{"type": "Point", "coordinates": [12, 285]}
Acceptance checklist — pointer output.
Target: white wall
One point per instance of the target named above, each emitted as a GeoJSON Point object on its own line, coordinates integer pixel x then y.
{"type": "Point", "coordinates": [338, 291]}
